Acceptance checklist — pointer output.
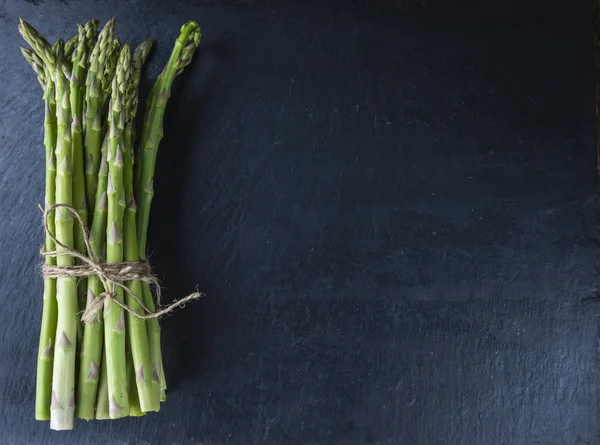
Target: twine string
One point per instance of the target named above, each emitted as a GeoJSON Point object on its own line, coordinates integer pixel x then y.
{"type": "Point", "coordinates": [113, 276]}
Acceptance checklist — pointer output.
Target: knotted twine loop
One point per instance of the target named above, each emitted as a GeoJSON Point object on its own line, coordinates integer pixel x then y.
{"type": "Point", "coordinates": [111, 275]}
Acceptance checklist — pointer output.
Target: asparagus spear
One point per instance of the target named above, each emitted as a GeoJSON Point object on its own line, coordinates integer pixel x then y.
{"type": "Point", "coordinates": [89, 364]}
{"type": "Point", "coordinates": [114, 317]}
{"type": "Point", "coordinates": [78, 72]}
{"type": "Point", "coordinates": [135, 410]}
{"type": "Point", "coordinates": [63, 380]}
{"type": "Point", "coordinates": [181, 57]}
{"type": "Point", "coordinates": [147, 388]}
{"type": "Point", "coordinates": [49, 310]}
{"type": "Point", "coordinates": [153, 328]}
{"type": "Point", "coordinates": [93, 134]}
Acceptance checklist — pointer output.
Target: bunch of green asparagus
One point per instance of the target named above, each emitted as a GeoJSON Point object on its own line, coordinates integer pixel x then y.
{"type": "Point", "coordinates": [111, 366]}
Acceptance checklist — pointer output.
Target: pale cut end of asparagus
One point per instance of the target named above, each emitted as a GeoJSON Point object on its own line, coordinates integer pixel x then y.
{"type": "Point", "coordinates": [55, 404]}
{"type": "Point", "coordinates": [62, 418]}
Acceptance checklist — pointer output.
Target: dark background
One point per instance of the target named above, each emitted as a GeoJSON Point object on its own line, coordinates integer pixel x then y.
{"type": "Point", "coordinates": [390, 208]}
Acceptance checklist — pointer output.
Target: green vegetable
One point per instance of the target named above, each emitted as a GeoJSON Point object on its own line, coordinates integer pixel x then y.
{"type": "Point", "coordinates": [181, 57]}
{"type": "Point", "coordinates": [89, 369]}
{"type": "Point", "coordinates": [62, 407]}
{"type": "Point", "coordinates": [49, 310]}
{"type": "Point", "coordinates": [114, 316]}
{"type": "Point", "coordinates": [96, 175]}
{"type": "Point", "coordinates": [94, 108]}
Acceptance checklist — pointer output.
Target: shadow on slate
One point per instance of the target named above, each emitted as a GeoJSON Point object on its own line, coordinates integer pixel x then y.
{"type": "Point", "coordinates": [387, 207]}
{"type": "Point", "coordinates": [185, 352]}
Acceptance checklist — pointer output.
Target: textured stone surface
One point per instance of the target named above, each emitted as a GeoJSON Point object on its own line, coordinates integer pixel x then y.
{"type": "Point", "coordinates": [391, 215]}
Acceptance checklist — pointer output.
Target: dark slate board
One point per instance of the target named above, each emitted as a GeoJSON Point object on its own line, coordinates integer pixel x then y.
{"type": "Point", "coordinates": [390, 210]}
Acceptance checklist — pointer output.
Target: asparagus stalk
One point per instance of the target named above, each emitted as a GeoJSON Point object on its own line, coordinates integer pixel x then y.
{"type": "Point", "coordinates": [63, 381]}
{"type": "Point", "coordinates": [181, 57]}
{"type": "Point", "coordinates": [51, 395]}
{"type": "Point", "coordinates": [93, 114]}
{"type": "Point", "coordinates": [114, 317]}
{"type": "Point", "coordinates": [89, 364]}
{"type": "Point", "coordinates": [76, 96]}
{"type": "Point", "coordinates": [135, 410]}
{"type": "Point", "coordinates": [147, 387]}
{"type": "Point", "coordinates": [49, 310]}
{"type": "Point", "coordinates": [79, 201]}
{"type": "Point", "coordinates": [153, 328]}
{"type": "Point", "coordinates": [102, 401]}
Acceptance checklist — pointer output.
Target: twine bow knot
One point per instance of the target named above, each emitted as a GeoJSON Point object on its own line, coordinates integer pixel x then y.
{"type": "Point", "coordinates": [112, 275]}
